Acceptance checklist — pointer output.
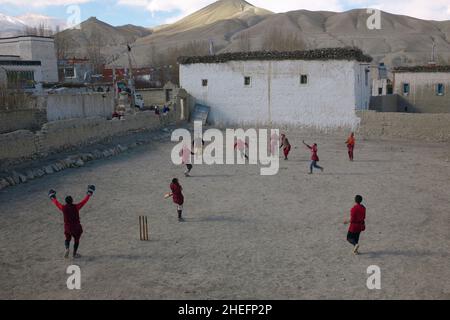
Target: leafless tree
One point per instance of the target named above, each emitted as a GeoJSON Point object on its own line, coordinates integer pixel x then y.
{"type": "Point", "coordinates": [94, 53]}
{"type": "Point", "coordinates": [62, 45]}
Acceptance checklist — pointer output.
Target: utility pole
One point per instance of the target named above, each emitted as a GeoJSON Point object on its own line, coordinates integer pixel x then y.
{"type": "Point", "coordinates": [130, 77]}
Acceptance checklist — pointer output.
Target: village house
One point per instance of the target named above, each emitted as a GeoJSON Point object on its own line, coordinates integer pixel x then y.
{"type": "Point", "coordinates": [320, 88]}
{"type": "Point", "coordinates": [423, 89]}
{"type": "Point", "coordinates": [381, 81]}
{"type": "Point", "coordinates": [32, 48]}
{"type": "Point", "coordinates": [20, 74]}
{"type": "Point", "coordinates": [75, 70]}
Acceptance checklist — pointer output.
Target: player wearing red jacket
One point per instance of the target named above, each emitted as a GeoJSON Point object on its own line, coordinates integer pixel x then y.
{"type": "Point", "coordinates": [357, 223]}
{"type": "Point", "coordinates": [71, 213]}
{"type": "Point", "coordinates": [177, 196]}
{"type": "Point", "coordinates": [314, 157]}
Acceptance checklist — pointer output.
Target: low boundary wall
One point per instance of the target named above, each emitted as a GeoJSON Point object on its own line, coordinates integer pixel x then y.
{"type": "Point", "coordinates": [65, 134]}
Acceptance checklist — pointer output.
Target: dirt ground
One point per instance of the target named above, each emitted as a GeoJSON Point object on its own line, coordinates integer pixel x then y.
{"type": "Point", "coordinates": [246, 236]}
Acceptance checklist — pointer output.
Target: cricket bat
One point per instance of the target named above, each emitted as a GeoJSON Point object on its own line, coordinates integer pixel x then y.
{"type": "Point", "coordinates": [167, 195]}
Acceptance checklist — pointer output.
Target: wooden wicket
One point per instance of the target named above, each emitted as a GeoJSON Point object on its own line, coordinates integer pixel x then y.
{"type": "Point", "coordinates": [143, 228]}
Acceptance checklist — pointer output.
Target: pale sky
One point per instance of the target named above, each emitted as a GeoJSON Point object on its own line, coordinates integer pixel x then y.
{"type": "Point", "coordinates": [155, 12]}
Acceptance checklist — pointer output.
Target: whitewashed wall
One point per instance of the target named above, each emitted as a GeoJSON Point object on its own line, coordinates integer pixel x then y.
{"type": "Point", "coordinates": [275, 95]}
{"type": "Point", "coordinates": [82, 105]}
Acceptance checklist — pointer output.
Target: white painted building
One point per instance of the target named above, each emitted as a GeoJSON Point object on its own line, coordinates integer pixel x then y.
{"type": "Point", "coordinates": [33, 48]}
{"type": "Point", "coordinates": [320, 88]}
{"type": "Point", "coordinates": [20, 74]}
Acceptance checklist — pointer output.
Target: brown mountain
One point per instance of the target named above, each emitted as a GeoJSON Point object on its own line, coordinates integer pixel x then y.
{"type": "Point", "coordinates": [236, 25]}
{"type": "Point", "coordinates": [93, 32]}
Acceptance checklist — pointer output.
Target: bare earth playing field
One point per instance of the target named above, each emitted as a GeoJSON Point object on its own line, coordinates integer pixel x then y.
{"type": "Point", "coordinates": [246, 236]}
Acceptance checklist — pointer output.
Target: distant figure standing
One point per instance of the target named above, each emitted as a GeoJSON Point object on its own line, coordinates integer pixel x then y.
{"type": "Point", "coordinates": [314, 157]}
{"type": "Point", "coordinates": [177, 196]}
{"type": "Point", "coordinates": [71, 213]}
{"type": "Point", "coordinates": [274, 140]}
{"type": "Point", "coordinates": [286, 146]}
{"type": "Point", "coordinates": [357, 224]}
{"type": "Point", "coordinates": [186, 158]}
{"type": "Point", "coordinates": [351, 145]}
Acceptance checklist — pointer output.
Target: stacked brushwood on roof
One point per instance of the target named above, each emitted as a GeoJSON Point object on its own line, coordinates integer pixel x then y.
{"type": "Point", "coordinates": [318, 54]}
{"type": "Point", "coordinates": [429, 68]}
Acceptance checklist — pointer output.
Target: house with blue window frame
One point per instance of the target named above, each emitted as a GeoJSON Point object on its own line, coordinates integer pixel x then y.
{"type": "Point", "coordinates": [423, 89]}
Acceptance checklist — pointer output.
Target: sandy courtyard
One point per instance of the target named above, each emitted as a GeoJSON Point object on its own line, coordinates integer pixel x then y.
{"type": "Point", "coordinates": [246, 236]}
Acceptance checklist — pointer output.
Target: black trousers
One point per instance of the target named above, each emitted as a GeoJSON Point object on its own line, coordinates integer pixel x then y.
{"type": "Point", "coordinates": [353, 238]}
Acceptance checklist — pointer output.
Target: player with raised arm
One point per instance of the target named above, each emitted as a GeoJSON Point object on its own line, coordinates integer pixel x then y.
{"type": "Point", "coordinates": [72, 225]}
{"type": "Point", "coordinates": [314, 157]}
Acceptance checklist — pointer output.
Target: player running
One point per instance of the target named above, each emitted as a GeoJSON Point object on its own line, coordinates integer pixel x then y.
{"type": "Point", "coordinates": [177, 196]}
{"type": "Point", "coordinates": [241, 146]}
{"type": "Point", "coordinates": [357, 223]}
{"type": "Point", "coordinates": [72, 225]}
{"type": "Point", "coordinates": [186, 157]}
{"type": "Point", "coordinates": [351, 145]}
{"type": "Point", "coordinates": [314, 157]}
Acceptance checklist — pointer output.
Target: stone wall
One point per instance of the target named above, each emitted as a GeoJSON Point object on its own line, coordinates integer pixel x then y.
{"type": "Point", "coordinates": [386, 103]}
{"type": "Point", "coordinates": [23, 119]}
{"type": "Point", "coordinates": [409, 126]}
{"type": "Point", "coordinates": [17, 144]}
{"type": "Point", "coordinates": [60, 135]}
{"type": "Point", "coordinates": [153, 97]}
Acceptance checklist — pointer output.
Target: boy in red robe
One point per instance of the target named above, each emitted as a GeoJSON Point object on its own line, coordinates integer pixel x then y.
{"type": "Point", "coordinates": [177, 196]}
{"type": "Point", "coordinates": [72, 225]}
{"type": "Point", "coordinates": [286, 146]}
{"type": "Point", "coordinates": [357, 223]}
{"type": "Point", "coordinates": [314, 157]}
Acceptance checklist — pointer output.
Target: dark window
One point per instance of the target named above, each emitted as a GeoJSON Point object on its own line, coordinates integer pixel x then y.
{"type": "Point", "coordinates": [20, 79]}
{"type": "Point", "coordinates": [406, 88]}
{"type": "Point", "coordinates": [204, 82]}
{"type": "Point", "coordinates": [440, 89]}
{"type": "Point", "coordinates": [69, 72]}
{"type": "Point", "coordinates": [304, 79]}
{"type": "Point", "coordinates": [247, 81]}
{"type": "Point", "coordinates": [380, 91]}
{"type": "Point", "coordinates": [168, 95]}
{"type": "Point", "coordinates": [390, 89]}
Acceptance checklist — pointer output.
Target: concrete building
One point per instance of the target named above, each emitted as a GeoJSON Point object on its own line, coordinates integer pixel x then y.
{"type": "Point", "coordinates": [20, 74]}
{"type": "Point", "coordinates": [382, 81]}
{"type": "Point", "coordinates": [33, 48]}
{"type": "Point", "coordinates": [423, 89]}
{"type": "Point", "coordinates": [75, 70]}
{"type": "Point", "coordinates": [320, 88]}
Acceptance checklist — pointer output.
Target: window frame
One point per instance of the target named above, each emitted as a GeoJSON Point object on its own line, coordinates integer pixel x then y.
{"type": "Point", "coordinates": [68, 76]}
{"type": "Point", "coordinates": [438, 93]}
{"type": "Point", "coordinates": [249, 85]}
{"type": "Point", "coordinates": [404, 86]}
{"type": "Point", "coordinates": [301, 79]}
